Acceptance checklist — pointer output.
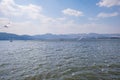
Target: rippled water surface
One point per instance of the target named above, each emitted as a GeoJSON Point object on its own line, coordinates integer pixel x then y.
{"type": "Point", "coordinates": [60, 60]}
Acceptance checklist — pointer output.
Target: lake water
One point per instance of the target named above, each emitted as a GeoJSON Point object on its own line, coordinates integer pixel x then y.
{"type": "Point", "coordinates": [60, 60]}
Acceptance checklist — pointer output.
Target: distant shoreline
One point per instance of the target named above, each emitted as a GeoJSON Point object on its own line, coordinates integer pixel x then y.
{"type": "Point", "coordinates": [68, 37]}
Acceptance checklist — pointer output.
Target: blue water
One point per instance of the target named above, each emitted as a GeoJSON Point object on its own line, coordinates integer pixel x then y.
{"type": "Point", "coordinates": [60, 60]}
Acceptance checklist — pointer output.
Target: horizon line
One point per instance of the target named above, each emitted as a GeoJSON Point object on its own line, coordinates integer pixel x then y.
{"type": "Point", "coordinates": [58, 34]}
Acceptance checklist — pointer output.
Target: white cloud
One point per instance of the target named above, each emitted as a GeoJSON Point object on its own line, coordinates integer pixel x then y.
{"type": "Point", "coordinates": [10, 8]}
{"type": "Point", "coordinates": [72, 27]}
{"type": "Point", "coordinates": [31, 11]}
{"type": "Point", "coordinates": [59, 27]}
{"type": "Point", "coordinates": [38, 23]}
{"type": "Point", "coordinates": [105, 15]}
{"type": "Point", "coordinates": [109, 3]}
{"type": "Point", "coordinates": [72, 12]}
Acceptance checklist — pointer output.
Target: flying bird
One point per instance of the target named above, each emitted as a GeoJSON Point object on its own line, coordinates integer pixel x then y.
{"type": "Point", "coordinates": [6, 26]}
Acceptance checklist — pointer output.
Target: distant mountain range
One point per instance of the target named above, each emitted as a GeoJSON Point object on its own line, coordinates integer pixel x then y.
{"type": "Point", "coordinates": [10, 36]}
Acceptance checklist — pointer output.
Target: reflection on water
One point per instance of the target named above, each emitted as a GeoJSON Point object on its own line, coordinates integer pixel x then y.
{"type": "Point", "coordinates": [60, 60]}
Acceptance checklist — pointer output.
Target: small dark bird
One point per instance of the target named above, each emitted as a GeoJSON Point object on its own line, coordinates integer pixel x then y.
{"type": "Point", "coordinates": [6, 26]}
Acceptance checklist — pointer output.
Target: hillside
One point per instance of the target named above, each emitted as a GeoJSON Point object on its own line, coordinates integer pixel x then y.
{"type": "Point", "coordinates": [9, 36]}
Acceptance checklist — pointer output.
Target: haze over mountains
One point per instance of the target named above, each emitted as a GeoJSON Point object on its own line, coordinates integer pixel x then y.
{"type": "Point", "coordinates": [9, 36]}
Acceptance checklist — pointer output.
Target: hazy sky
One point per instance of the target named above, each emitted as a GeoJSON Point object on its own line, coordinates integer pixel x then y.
{"type": "Point", "coordinates": [60, 16]}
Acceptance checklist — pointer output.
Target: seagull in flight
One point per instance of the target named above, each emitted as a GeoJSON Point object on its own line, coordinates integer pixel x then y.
{"type": "Point", "coordinates": [6, 26]}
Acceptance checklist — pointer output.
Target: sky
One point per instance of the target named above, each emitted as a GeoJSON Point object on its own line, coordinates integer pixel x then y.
{"type": "Point", "coordinates": [60, 16]}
